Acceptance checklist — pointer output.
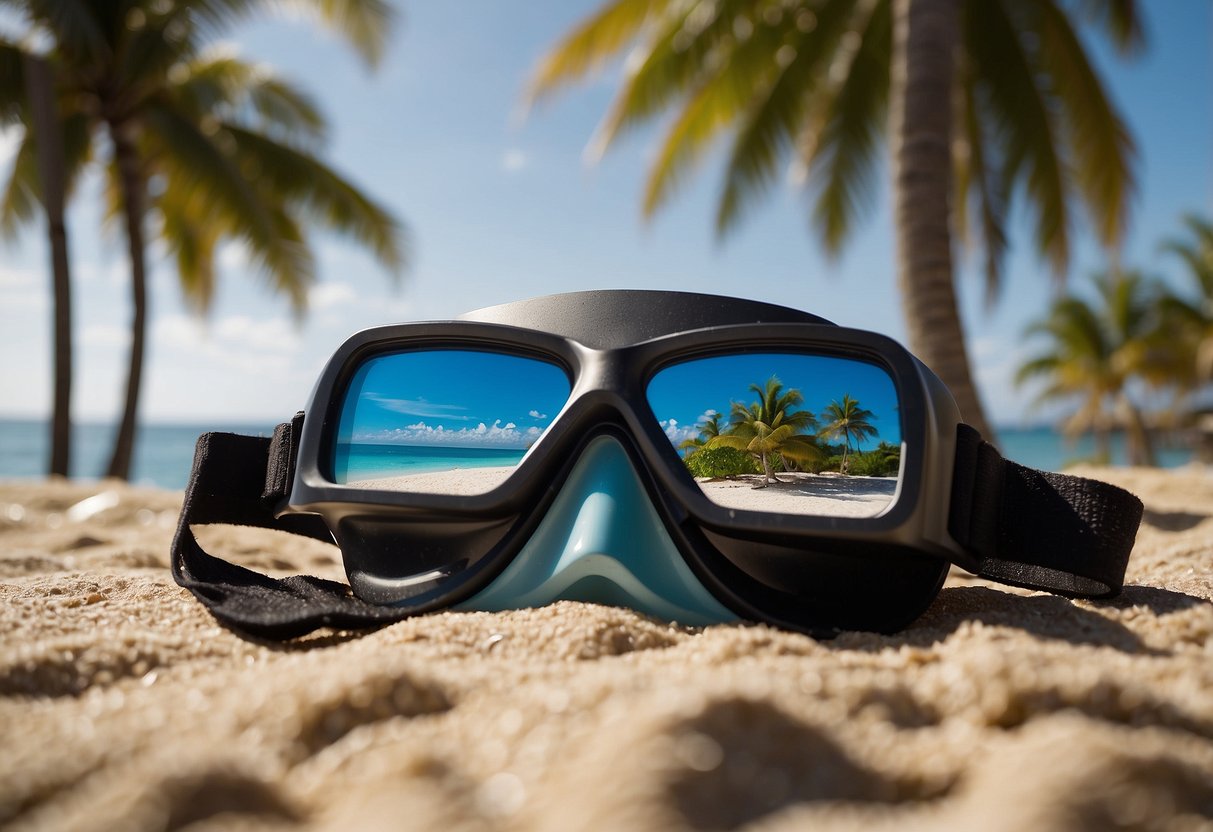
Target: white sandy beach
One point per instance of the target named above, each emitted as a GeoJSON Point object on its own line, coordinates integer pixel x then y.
{"type": "Point", "coordinates": [123, 705]}
{"type": "Point", "coordinates": [826, 495]}
{"type": "Point", "coordinates": [819, 495]}
{"type": "Point", "coordinates": [457, 481]}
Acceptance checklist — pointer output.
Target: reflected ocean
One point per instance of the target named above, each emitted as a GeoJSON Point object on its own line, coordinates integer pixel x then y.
{"type": "Point", "coordinates": [164, 453]}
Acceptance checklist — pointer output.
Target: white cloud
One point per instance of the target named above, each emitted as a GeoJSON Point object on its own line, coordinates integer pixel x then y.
{"type": "Point", "coordinates": [496, 435]}
{"type": "Point", "coordinates": [255, 347]}
{"type": "Point", "coordinates": [676, 433]}
{"type": "Point", "coordinates": [419, 407]}
{"type": "Point", "coordinates": [264, 334]}
{"type": "Point", "coordinates": [513, 160]}
{"type": "Point", "coordinates": [23, 291]}
{"type": "Point", "coordinates": [324, 296]}
{"type": "Point", "coordinates": [535, 414]}
{"type": "Point", "coordinates": [17, 279]}
{"type": "Point", "coordinates": [105, 335]}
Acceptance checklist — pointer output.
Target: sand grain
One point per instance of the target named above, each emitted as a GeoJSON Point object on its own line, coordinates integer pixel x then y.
{"type": "Point", "coordinates": [124, 706]}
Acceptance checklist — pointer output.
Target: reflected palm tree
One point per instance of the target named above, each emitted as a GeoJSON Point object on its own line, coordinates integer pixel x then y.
{"type": "Point", "coordinates": [709, 429]}
{"type": "Point", "coordinates": [850, 422]}
{"type": "Point", "coordinates": [770, 428]}
{"type": "Point", "coordinates": [1001, 92]}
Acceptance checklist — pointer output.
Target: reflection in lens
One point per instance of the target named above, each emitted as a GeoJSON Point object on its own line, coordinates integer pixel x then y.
{"type": "Point", "coordinates": [443, 421]}
{"type": "Point", "coordinates": [784, 432]}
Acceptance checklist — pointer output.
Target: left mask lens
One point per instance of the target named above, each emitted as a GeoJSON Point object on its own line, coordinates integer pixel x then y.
{"type": "Point", "coordinates": [443, 421]}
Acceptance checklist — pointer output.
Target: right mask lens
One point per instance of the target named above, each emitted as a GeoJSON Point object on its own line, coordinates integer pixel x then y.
{"type": "Point", "coordinates": [443, 421]}
{"type": "Point", "coordinates": [789, 433]}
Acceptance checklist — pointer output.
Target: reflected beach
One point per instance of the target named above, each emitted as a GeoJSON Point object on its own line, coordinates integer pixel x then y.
{"type": "Point", "coordinates": [454, 482]}
{"type": "Point", "coordinates": [827, 495]}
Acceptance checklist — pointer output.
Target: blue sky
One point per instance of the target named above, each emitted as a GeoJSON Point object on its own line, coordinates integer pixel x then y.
{"type": "Point", "coordinates": [452, 397]}
{"type": "Point", "coordinates": [685, 395]}
{"type": "Point", "coordinates": [502, 207]}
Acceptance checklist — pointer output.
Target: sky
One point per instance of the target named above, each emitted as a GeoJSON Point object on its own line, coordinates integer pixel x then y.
{"type": "Point", "coordinates": [502, 204]}
{"type": "Point", "coordinates": [452, 397]}
{"type": "Point", "coordinates": [685, 395]}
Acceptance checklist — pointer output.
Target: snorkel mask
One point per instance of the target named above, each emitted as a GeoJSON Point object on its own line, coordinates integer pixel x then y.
{"type": "Point", "coordinates": [696, 458]}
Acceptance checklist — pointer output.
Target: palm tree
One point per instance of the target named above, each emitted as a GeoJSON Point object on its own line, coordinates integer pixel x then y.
{"type": "Point", "coordinates": [27, 95]}
{"type": "Point", "coordinates": [770, 427]}
{"type": "Point", "coordinates": [1191, 318]}
{"type": "Point", "coordinates": [1093, 354]}
{"type": "Point", "coordinates": [709, 429]}
{"type": "Point", "coordinates": [821, 82]}
{"type": "Point", "coordinates": [229, 147]}
{"type": "Point", "coordinates": [850, 422]}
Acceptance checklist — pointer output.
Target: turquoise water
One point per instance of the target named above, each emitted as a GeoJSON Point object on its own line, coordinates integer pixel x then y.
{"type": "Point", "coordinates": [364, 462]}
{"type": "Point", "coordinates": [164, 453]}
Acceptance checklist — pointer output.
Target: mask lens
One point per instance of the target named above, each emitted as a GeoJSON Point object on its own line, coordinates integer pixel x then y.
{"type": "Point", "coordinates": [443, 421]}
{"type": "Point", "coordinates": [784, 432]}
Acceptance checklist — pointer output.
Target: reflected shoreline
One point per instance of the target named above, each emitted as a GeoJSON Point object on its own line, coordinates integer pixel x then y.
{"type": "Point", "coordinates": [821, 495]}
{"type": "Point", "coordinates": [825, 495]}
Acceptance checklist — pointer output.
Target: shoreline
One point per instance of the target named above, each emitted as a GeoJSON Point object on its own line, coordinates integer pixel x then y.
{"type": "Point", "coordinates": [796, 493]}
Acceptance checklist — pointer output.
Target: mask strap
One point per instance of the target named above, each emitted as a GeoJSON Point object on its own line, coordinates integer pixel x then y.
{"type": "Point", "coordinates": [239, 480]}
{"type": "Point", "coordinates": [1037, 529]}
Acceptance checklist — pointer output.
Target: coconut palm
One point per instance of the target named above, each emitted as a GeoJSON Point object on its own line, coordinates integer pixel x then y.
{"type": "Point", "coordinates": [229, 148]}
{"type": "Point", "coordinates": [771, 427]}
{"type": "Point", "coordinates": [848, 421]}
{"type": "Point", "coordinates": [1094, 353]}
{"type": "Point", "coordinates": [27, 96]}
{"type": "Point", "coordinates": [822, 82]}
{"type": "Point", "coordinates": [1191, 318]}
{"type": "Point", "coordinates": [709, 429]}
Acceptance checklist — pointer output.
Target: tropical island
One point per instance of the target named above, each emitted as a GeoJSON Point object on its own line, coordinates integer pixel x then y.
{"type": "Point", "coordinates": [807, 463]}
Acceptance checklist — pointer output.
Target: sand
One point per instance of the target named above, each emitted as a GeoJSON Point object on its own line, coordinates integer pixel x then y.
{"type": "Point", "coordinates": [821, 495]}
{"type": "Point", "coordinates": [825, 495]}
{"type": "Point", "coordinates": [454, 481]}
{"type": "Point", "coordinates": [124, 706]}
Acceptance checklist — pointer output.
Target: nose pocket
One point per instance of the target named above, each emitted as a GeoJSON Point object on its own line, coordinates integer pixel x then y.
{"type": "Point", "coordinates": [602, 541]}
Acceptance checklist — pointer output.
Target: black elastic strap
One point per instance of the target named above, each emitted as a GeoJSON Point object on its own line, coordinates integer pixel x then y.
{"type": "Point", "coordinates": [1037, 529]}
{"type": "Point", "coordinates": [240, 480]}
{"type": "Point", "coordinates": [1029, 528]}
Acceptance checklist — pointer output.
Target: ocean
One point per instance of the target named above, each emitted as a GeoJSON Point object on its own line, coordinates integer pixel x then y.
{"type": "Point", "coordinates": [165, 453]}
{"type": "Point", "coordinates": [365, 462]}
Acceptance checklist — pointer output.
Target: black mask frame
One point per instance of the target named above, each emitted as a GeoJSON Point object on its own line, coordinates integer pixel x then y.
{"type": "Point", "coordinates": [958, 501]}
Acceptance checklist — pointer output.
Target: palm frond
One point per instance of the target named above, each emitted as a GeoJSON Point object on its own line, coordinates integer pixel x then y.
{"type": "Point", "coordinates": [322, 194]}
{"type": "Point", "coordinates": [1026, 122]}
{"type": "Point", "coordinates": [802, 449]}
{"type": "Point", "coordinates": [593, 43]}
{"type": "Point", "coordinates": [1120, 19]}
{"type": "Point", "coordinates": [366, 25]}
{"type": "Point", "coordinates": [695, 41]}
{"type": "Point", "coordinates": [75, 26]}
{"type": "Point", "coordinates": [1103, 148]}
{"type": "Point", "coordinates": [977, 185]}
{"type": "Point", "coordinates": [12, 83]}
{"type": "Point", "coordinates": [19, 203]}
{"type": "Point", "coordinates": [776, 105]}
{"type": "Point", "coordinates": [223, 85]}
{"type": "Point", "coordinates": [842, 159]}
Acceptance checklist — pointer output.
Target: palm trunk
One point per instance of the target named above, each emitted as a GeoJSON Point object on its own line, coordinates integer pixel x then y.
{"type": "Point", "coordinates": [39, 86]}
{"type": "Point", "coordinates": [1138, 448]}
{"type": "Point", "coordinates": [845, 450]}
{"type": "Point", "coordinates": [925, 38]}
{"type": "Point", "coordinates": [766, 469]}
{"type": "Point", "coordinates": [131, 178]}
